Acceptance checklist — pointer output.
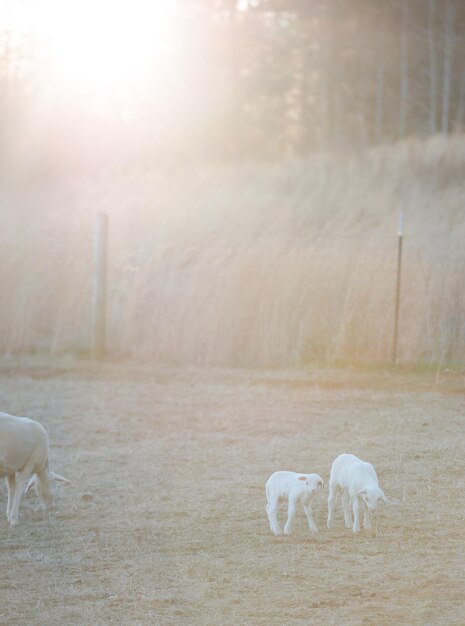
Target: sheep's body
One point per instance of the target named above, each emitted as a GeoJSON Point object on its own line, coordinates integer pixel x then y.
{"type": "Point", "coordinates": [24, 455]}
{"type": "Point", "coordinates": [295, 489]}
{"type": "Point", "coordinates": [355, 480]}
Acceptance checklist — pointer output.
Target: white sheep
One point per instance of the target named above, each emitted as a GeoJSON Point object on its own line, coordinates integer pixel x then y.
{"type": "Point", "coordinates": [24, 460]}
{"type": "Point", "coordinates": [356, 481]}
{"type": "Point", "coordinates": [293, 488]}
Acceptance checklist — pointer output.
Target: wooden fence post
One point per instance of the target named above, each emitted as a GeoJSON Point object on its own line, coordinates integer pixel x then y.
{"type": "Point", "coordinates": [99, 286]}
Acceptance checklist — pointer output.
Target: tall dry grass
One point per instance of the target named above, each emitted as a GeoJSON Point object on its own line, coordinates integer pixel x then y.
{"type": "Point", "coordinates": [259, 264]}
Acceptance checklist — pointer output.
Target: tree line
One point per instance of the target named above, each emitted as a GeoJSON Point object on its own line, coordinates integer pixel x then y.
{"type": "Point", "coordinates": [259, 79]}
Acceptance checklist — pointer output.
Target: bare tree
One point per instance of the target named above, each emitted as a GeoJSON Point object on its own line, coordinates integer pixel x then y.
{"type": "Point", "coordinates": [460, 121]}
{"type": "Point", "coordinates": [381, 70]}
{"type": "Point", "coordinates": [404, 66]}
{"type": "Point", "coordinates": [449, 48]}
{"type": "Point", "coordinates": [433, 67]}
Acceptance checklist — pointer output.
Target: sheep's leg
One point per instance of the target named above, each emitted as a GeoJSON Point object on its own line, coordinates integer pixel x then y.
{"type": "Point", "coordinates": [331, 502]}
{"type": "Point", "coordinates": [290, 516]}
{"type": "Point", "coordinates": [366, 518]}
{"type": "Point", "coordinates": [311, 521]}
{"type": "Point", "coordinates": [272, 509]}
{"type": "Point", "coordinates": [44, 488]}
{"type": "Point", "coordinates": [356, 508]}
{"type": "Point", "coordinates": [11, 487]}
{"type": "Point", "coordinates": [345, 501]}
{"type": "Point", "coordinates": [14, 510]}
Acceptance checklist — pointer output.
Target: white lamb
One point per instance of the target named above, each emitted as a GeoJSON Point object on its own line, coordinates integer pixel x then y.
{"type": "Point", "coordinates": [356, 481]}
{"type": "Point", "coordinates": [293, 488]}
{"type": "Point", "coordinates": [24, 459]}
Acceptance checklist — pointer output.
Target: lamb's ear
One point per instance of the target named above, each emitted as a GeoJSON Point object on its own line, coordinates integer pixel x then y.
{"type": "Point", "coordinates": [302, 477]}
{"type": "Point", "coordinates": [385, 500]}
{"type": "Point", "coordinates": [59, 478]}
{"type": "Point", "coordinates": [362, 492]}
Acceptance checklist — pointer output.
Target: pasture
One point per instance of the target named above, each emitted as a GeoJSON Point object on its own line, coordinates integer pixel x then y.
{"type": "Point", "coordinates": [165, 521]}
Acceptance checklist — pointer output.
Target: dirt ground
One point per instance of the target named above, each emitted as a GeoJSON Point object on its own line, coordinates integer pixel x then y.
{"type": "Point", "coordinates": [165, 521]}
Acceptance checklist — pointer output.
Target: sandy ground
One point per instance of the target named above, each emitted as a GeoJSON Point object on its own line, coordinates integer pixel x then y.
{"type": "Point", "coordinates": [165, 521]}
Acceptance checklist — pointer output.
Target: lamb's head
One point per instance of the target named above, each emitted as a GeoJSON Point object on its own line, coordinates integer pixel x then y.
{"type": "Point", "coordinates": [372, 496]}
{"type": "Point", "coordinates": [314, 482]}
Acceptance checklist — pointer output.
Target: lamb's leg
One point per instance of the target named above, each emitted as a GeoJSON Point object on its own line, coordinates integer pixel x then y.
{"type": "Point", "coordinates": [345, 501]}
{"type": "Point", "coordinates": [290, 516]}
{"type": "Point", "coordinates": [331, 502]}
{"type": "Point", "coordinates": [356, 508]}
{"type": "Point", "coordinates": [272, 509]}
{"type": "Point", "coordinates": [366, 518]}
{"type": "Point", "coordinates": [311, 521]}
{"type": "Point", "coordinates": [11, 487]}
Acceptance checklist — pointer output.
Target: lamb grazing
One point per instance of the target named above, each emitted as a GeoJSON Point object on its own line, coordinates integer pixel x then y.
{"type": "Point", "coordinates": [355, 480]}
{"type": "Point", "coordinates": [24, 459]}
{"type": "Point", "coordinates": [293, 488]}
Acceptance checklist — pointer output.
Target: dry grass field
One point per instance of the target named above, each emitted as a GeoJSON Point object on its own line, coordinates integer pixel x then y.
{"type": "Point", "coordinates": [165, 521]}
{"type": "Point", "coordinates": [265, 264]}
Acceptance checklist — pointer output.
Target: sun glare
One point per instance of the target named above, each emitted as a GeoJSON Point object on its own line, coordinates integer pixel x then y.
{"type": "Point", "coordinates": [103, 45]}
